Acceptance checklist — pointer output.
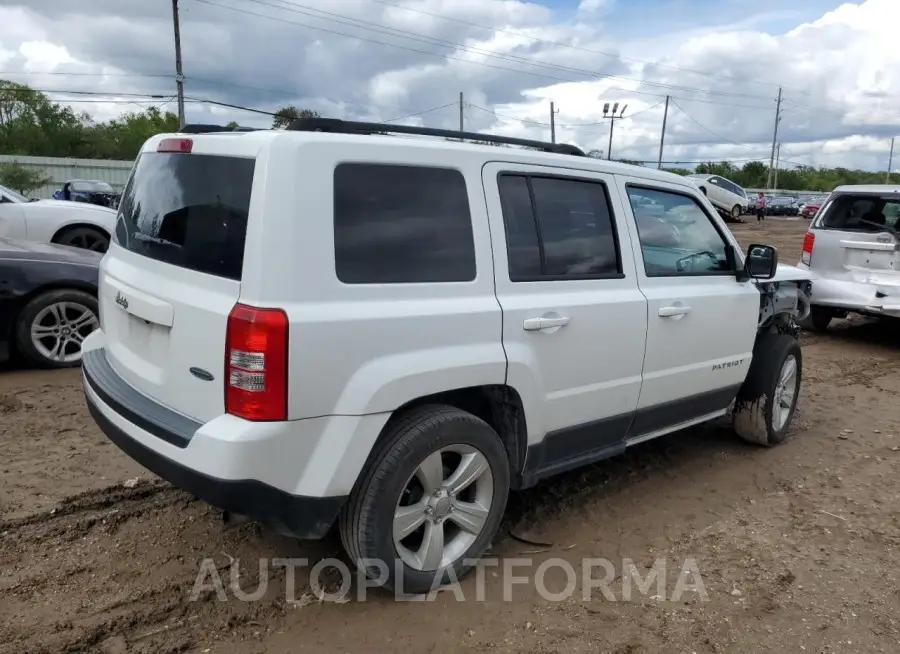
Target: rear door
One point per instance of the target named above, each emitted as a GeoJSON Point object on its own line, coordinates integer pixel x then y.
{"type": "Point", "coordinates": [173, 273]}
{"type": "Point", "coordinates": [854, 238]}
{"type": "Point", "coordinates": [574, 320]}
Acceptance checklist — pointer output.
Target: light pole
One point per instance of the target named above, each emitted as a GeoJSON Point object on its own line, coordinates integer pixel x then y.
{"type": "Point", "coordinates": [612, 121]}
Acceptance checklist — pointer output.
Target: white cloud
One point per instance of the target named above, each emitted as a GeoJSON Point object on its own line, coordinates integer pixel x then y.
{"type": "Point", "coordinates": [388, 58]}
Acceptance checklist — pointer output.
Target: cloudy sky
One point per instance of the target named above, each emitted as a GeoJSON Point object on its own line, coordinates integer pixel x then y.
{"type": "Point", "coordinates": [721, 61]}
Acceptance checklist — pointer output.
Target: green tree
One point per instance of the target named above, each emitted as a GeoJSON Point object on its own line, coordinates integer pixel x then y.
{"type": "Point", "coordinates": [286, 115]}
{"type": "Point", "coordinates": [21, 178]}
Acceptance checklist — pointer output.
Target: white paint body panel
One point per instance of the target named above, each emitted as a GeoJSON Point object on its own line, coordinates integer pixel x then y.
{"type": "Point", "coordinates": [358, 352]}
{"type": "Point", "coordinates": [40, 220]}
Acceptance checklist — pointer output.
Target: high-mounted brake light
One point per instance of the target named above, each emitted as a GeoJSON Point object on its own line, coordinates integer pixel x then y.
{"type": "Point", "coordinates": [176, 145]}
{"type": "Point", "coordinates": [256, 366]}
{"type": "Point", "coordinates": [808, 242]}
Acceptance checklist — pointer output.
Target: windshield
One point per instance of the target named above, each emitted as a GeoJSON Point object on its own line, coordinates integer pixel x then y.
{"type": "Point", "coordinates": [188, 210]}
{"type": "Point", "coordinates": [92, 187]}
{"type": "Point", "coordinates": [15, 197]}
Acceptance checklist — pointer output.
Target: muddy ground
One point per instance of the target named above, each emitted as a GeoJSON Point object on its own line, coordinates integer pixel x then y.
{"type": "Point", "coordinates": [789, 549]}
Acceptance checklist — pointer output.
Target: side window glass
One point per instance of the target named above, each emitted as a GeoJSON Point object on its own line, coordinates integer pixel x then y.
{"type": "Point", "coordinates": [401, 224]}
{"type": "Point", "coordinates": [680, 240]}
{"type": "Point", "coordinates": [565, 232]}
{"type": "Point", "coordinates": [575, 227]}
{"type": "Point", "coordinates": [522, 246]}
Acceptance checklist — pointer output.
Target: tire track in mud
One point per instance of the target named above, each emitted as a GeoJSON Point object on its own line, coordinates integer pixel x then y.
{"type": "Point", "coordinates": [116, 567]}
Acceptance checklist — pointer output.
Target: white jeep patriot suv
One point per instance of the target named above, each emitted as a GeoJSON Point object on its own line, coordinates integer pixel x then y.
{"type": "Point", "coordinates": [331, 324]}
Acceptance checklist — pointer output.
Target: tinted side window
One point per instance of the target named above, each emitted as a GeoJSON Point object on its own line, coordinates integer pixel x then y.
{"type": "Point", "coordinates": [680, 239]}
{"type": "Point", "coordinates": [401, 224]}
{"type": "Point", "coordinates": [522, 246]}
{"type": "Point", "coordinates": [557, 228]}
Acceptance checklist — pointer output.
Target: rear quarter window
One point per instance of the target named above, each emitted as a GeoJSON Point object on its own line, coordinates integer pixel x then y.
{"type": "Point", "coordinates": [396, 224]}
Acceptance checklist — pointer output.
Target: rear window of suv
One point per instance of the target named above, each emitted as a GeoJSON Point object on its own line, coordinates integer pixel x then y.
{"type": "Point", "coordinates": [862, 213]}
{"type": "Point", "coordinates": [188, 210]}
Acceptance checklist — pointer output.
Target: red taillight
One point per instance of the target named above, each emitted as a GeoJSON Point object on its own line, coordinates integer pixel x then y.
{"type": "Point", "coordinates": [808, 242]}
{"type": "Point", "coordinates": [176, 145]}
{"type": "Point", "coordinates": [256, 366]}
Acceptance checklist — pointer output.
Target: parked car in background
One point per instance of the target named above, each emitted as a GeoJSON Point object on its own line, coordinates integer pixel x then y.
{"type": "Point", "coordinates": [782, 205]}
{"type": "Point", "coordinates": [90, 191]}
{"type": "Point", "coordinates": [488, 318]}
{"type": "Point", "coordinates": [78, 224]}
{"type": "Point", "coordinates": [852, 248]}
{"type": "Point", "coordinates": [723, 194]}
{"type": "Point", "coordinates": [48, 301]}
{"type": "Point", "coordinates": [809, 208]}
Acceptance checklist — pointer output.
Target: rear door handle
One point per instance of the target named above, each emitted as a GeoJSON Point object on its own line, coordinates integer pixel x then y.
{"type": "Point", "coordinates": [537, 324]}
{"type": "Point", "coordinates": [675, 310]}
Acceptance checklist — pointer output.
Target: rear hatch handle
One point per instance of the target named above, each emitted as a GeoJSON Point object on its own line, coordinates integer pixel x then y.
{"type": "Point", "coordinates": [141, 305]}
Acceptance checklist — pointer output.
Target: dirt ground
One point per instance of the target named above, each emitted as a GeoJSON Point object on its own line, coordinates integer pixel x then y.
{"type": "Point", "coordinates": [795, 548]}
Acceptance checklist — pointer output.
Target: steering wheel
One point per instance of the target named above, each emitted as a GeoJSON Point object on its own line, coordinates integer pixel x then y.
{"type": "Point", "coordinates": [682, 263]}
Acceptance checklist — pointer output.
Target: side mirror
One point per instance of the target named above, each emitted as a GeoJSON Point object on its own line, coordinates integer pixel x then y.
{"type": "Point", "coordinates": [761, 261]}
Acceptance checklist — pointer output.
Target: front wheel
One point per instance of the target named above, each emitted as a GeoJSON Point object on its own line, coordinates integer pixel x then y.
{"type": "Point", "coordinates": [767, 400]}
{"type": "Point", "coordinates": [429, 502]}
{"type": "Point", "coordinates": [736, 211]}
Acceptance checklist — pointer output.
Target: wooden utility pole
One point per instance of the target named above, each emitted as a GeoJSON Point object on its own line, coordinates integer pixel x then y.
{"type": "Point", "coordinates": [552, 124]}
{"type": "Point", "coordinates": [777, 157]}
{"type": "Point", "coordinates": [774, 140]}
{"type": "Point", "coordinates": [179, 76]}
{"type": "Point", "coordinates": [662, 137]}
{"type": "Point", "coordinates": [887, 178]}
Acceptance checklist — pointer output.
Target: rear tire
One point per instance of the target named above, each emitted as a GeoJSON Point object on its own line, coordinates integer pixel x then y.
{"type": "Point", "coordinates": [767, 400]}
{"type": "Point", "coordinates": [53, 325]}
{"type": "Point", "coordinates": [86, 238]}
{"type": "Point", "coordinates": [406, 499]}
{"type": "Point", "coordinates": [819, 318]}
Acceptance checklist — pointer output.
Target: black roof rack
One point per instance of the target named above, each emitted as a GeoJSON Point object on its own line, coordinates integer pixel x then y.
{"type": "Point", "coordinates": [338, 126]}
{"type": "Point", "coordinates": [199, 128]}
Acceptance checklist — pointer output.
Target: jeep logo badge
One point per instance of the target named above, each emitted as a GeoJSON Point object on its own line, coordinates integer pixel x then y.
{"type": "Point", "coordinates": [122, 301]}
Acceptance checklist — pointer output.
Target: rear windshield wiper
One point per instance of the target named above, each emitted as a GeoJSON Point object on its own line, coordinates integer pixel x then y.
{"type": "Point", "coordinates": [885, 227]}
{"type": "Point", "coordinates": [140, 236]}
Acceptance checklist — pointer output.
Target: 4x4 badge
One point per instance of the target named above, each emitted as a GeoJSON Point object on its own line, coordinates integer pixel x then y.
{"type": "Point", "coordinates": [122, 301]}
{"type": "Point", "coordinates": [884, 238]}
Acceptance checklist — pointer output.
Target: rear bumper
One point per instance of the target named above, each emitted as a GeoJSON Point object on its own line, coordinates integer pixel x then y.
{"type": "Point", "coordinates": [157, 438]}
{"type": "Point", "coordinates": [875, 297]}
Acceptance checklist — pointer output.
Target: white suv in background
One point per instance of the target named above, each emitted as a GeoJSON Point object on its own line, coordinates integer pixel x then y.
{"type": "Point", "coordinates": [725, 195]}
{"type": "Point", "coordinates": [329, 324]}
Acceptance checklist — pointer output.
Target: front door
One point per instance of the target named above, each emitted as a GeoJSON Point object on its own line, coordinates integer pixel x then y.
{"type": "Point", "coordinates": [701, 320]}
{"type": "Point", "coordinates": [574, 319]}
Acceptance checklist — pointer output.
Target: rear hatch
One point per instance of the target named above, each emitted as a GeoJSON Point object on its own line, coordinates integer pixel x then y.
{"type": "Point", "coordinates": [173, 273]}
{"type": "Point", "coordinates": [856, 238]}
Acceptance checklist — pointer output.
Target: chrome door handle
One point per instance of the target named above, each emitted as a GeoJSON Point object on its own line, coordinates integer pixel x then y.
{"type": "Point", "coordinates": [675, 310]}
{"type": "Point", "coordinates": [537, 324]}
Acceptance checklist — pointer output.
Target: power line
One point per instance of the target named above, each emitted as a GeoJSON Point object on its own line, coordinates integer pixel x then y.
{"type": "Point", "coordinates": [378, 28]}
{"type": "Point", "coordinates": [708, 130]}
{"type": "Point", "coordinates": [568, 45]}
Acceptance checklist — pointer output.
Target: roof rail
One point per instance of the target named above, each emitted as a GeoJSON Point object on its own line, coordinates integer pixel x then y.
{"type": "Point", "coordinates": [199, 128]}
{"type": "Point", "coordinates": [338, 126]}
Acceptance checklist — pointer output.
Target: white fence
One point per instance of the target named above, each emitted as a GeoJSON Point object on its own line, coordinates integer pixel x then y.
{"type": "Point", "coordinates": [61, 170]}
